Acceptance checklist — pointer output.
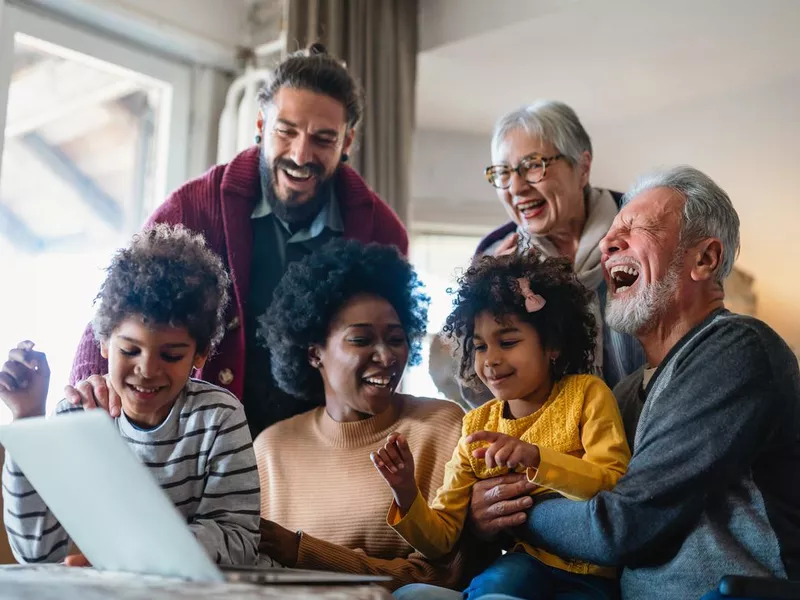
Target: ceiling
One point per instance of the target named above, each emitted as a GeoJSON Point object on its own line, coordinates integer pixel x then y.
{"type": "Point", "coordinates": [608, 59]}
{"type": "Point", "coordinates": [715, 84]}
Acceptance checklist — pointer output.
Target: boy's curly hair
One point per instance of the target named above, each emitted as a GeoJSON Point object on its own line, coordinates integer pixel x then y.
{"type": "Point", "coordinates": [565, 324]}
{"type": "Point", "coordinates": [167, 276]}
{"type": "Point", "coordinates": [314, 289]}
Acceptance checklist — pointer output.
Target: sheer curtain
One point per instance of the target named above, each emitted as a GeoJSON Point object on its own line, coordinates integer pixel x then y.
{"type": "Point", "coordinates": [378, 41]}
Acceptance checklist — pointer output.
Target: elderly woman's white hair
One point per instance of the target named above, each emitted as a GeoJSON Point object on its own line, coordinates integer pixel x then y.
{"type": "Point", "coordinates": [550, 121]}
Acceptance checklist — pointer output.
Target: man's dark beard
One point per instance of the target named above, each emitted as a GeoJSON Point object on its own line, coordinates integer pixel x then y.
{"type": "Point", "coordinates": [291, 211]}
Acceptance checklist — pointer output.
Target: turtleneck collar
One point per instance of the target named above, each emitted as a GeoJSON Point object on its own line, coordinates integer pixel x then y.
{"type": "Point", "coordinates": [358, 434]}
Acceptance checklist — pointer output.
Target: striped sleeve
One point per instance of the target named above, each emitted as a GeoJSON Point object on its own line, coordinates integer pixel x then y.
{"type": "Point", "coordinates": [34, 534]}
{"type": "Point", "coordinates": [227, 517]}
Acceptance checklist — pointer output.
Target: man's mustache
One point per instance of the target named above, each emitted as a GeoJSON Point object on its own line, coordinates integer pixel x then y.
{"type": "Point", "coordinates": [285, 163]}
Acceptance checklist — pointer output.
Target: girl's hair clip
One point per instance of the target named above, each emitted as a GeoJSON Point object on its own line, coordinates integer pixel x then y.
{"type": "Point", "coordinates": [533, 302]}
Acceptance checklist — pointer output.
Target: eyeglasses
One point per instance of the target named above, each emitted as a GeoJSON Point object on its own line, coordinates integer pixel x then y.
{"type": "Point", "coordinates": [531, 168]}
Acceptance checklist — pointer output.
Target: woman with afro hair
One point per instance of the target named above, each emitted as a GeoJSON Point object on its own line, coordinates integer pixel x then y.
{"type": "Point", "coordinates": [344, 323]}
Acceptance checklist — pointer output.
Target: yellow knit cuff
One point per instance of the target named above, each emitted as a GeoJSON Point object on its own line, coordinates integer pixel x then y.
{"type": "Point", "coordinates": [543, 475]}
{"type": "Point", "coordinates": [396, 518]}
{"type": "Point", "coordinates": [558, 472]}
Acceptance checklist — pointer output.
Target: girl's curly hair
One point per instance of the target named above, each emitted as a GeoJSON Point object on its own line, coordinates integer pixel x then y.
{"type": "Point", "coordinates": [565, 323]}
{"type": "Point", "coordinates": [313, 290]}
{"type": "Point", "coordinates": [167, 276]}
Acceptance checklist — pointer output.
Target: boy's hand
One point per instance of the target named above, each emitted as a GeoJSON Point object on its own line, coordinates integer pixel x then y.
{"type": "Point", "coordinates": [95, 391]}
{"type": "Point", "coordinates": [395, 463]}
{"type": "Point", "coordinates": [505, 451]}
{"type": "Point", "coordinates": [24, 380]}
{"type": "Point", "coordinates": [77, 560]}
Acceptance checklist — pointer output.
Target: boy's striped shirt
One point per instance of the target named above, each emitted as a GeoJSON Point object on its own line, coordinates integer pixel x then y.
{"type": "Point", "coordinates": [201, 455]}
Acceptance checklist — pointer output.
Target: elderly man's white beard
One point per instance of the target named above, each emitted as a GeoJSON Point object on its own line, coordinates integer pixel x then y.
{"type": "Point", "coordinates": [639, 312]}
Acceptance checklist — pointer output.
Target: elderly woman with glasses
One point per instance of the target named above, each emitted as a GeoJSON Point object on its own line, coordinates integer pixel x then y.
{"type": "Point", "coordinates": [541, 163]}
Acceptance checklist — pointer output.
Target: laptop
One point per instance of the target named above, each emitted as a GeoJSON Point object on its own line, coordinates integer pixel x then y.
{"type": "Point", "coordinates": [115, 511]}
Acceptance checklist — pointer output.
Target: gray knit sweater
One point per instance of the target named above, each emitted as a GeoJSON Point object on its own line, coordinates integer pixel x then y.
{"type": "Point", "coordinates": [712, 487]}
{"type": "Point", "coordinates": [201, 455]}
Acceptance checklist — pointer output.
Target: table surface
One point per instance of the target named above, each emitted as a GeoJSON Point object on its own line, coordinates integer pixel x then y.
{"type": "Point", "coordinates": [48, 582]}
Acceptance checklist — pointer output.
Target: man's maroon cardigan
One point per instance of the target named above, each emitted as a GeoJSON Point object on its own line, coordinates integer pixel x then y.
{"type": "Point", "coordinates": [219, 204]}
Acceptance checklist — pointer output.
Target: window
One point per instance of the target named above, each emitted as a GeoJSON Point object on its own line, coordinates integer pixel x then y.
{"type": "Point", "coordinates": [94, 135]}
{"type": "Point", "coordinates": [438, 259]}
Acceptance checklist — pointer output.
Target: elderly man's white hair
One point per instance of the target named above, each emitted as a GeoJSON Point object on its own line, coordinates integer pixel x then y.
{"type": "Point", "coordinates": [708, 211]}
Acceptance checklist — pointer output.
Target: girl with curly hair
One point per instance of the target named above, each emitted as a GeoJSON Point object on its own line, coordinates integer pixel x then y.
{"type": "Point", "coordinates": [160, 313]}
{"type": "Point", "coordinates": [344, 323]}
{"type": "Point", "coordinates": [524, 329]}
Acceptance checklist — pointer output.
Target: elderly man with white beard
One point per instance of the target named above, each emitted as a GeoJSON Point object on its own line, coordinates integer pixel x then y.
{"type": "Point", "coordinates": [712, 486]}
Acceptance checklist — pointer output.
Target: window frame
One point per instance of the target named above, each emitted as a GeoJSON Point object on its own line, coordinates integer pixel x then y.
{"type": "Point", "coordinates": [92, 47]}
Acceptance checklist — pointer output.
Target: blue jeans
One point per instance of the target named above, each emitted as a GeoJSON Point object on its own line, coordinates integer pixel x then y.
{"type": "Point", "coordinates": [520, 576]}
{"type": "Point", "coordinates": [423, 591]}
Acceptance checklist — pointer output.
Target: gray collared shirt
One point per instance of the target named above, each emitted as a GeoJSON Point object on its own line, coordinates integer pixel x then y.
{"type": "Point", "coordinates": [330, 216]}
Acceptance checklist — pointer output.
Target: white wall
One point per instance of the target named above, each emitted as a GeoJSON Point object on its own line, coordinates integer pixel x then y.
{"type": "Point", "coordinates": [444, 22]}
{"type": "Point", "coordinates": [447, 182]}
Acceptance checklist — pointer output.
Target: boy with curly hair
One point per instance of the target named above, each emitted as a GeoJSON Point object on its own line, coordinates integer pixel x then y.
{"type": "Point", "coordinates": [159, 314]}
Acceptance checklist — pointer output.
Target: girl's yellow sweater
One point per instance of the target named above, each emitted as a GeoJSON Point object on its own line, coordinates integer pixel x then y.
{"type": "Point", "coordinates": [581, 440]}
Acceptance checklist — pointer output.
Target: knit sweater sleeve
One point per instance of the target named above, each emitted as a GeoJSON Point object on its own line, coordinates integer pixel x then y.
{"type": "Point", "coordinates": [88, 360]}
{"type": "Point", "coordinates": [606, 454]}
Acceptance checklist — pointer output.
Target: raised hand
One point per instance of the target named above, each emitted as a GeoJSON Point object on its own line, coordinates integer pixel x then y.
{"type": "Point", "coordinates": [505, 451]}
{"type": "Point", "coordinates": [395, 463]}
{"type": "Point", "coordinates": [24, 380]}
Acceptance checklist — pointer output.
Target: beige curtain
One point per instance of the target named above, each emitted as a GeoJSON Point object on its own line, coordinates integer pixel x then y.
{"type": "Point", "coordinates": [378, 41]}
